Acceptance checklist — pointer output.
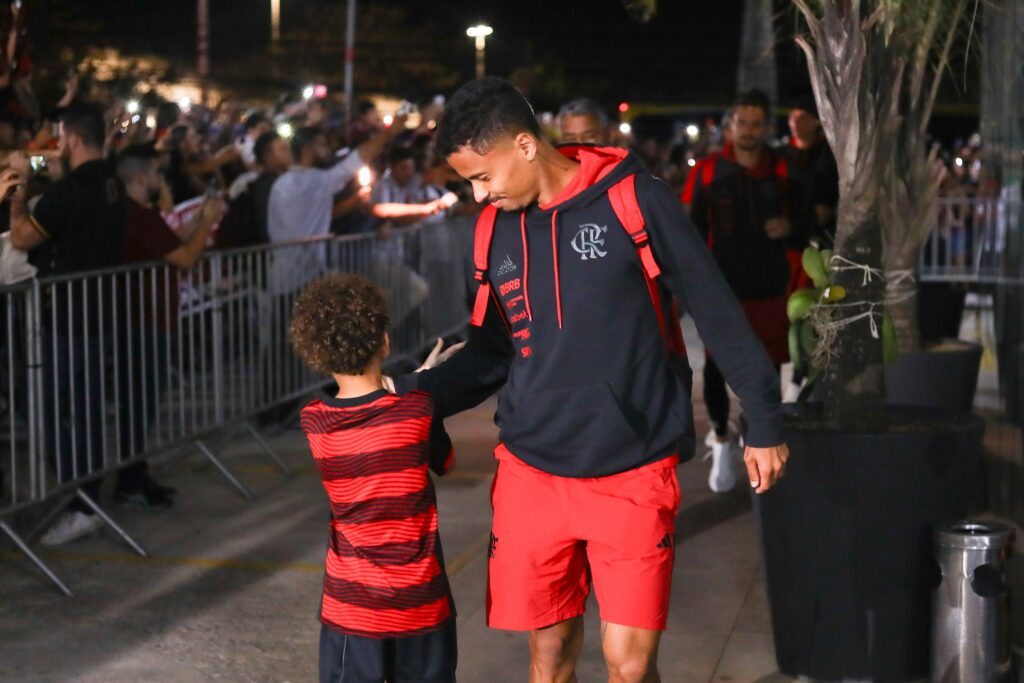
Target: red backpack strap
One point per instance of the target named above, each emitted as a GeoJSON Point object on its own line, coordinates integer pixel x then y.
{"type": "Point", "coordinates": [623, 197]}
{"type": "Point", "coordinates": [627, 209]}
{"type": "Point", "coordinates": [481, 261]}
{"type": "Point", "coordinates": [707, 172]}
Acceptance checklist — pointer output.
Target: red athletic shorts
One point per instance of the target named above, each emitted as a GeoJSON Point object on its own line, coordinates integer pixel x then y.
{"type": "Point", "coordinates": [553, 535]}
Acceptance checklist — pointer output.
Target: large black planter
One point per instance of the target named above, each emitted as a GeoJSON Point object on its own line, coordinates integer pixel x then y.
{"type": "Point", "coordinates": [848, 554]}
{"type": "Point", "coordinates": [945, 377]}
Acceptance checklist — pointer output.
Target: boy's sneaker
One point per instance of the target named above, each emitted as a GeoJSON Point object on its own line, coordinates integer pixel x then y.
{"type": "Point", "coordinates": [71, 526]}
{"type": "Point", "coordinates": [149, 498]}
{"type": "Point", "coordinates": [725, 456]}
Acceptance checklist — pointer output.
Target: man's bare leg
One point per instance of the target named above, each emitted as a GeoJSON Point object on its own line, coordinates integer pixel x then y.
{"type": "Point", "coordinates": [630, 653]}
{"type": "Point", "coordinates": [554, 651]}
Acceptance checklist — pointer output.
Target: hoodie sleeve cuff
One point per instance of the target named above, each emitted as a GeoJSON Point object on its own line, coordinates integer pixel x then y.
{"type": "Point", "coordinates": [765, 433]}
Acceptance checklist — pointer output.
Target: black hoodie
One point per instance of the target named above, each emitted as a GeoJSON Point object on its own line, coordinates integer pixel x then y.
{"type": "Point", "coordinates": [588, 388]}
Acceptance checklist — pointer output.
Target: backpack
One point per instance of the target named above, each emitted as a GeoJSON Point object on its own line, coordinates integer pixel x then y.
{"type": "Point", "coordinates": [627, 210]}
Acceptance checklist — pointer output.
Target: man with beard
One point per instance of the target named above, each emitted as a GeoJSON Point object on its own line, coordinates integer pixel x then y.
{"type": "Point", "coordinates": [747, 208]}
{"type": "Point", "coordinates": [77, 225]}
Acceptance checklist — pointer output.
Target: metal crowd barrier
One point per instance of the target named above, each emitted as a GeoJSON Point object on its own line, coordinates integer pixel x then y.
{"type": "Point", "coordinates": [106, 369]}
{"type": "Point", "coordinates": [976, 240]}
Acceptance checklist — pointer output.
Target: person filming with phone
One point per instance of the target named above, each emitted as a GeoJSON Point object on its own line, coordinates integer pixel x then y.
{"type": "Point", "coordinates": [79, 224]}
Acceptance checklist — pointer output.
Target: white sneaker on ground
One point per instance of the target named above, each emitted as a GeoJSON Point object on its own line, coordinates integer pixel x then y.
{"type": "Point", "coordinates": [725, 456]}
{"type": "Point", "coordinates": [70, 526]}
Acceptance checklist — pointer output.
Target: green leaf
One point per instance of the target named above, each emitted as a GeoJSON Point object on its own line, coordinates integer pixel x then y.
{"type": "Point", "coordinates": [814, 266]}
{"type": "Point", "coordinates": [795, 353]}
{"type": "Point", "coordinates": [890, 347]}
{"type": "Point", "coordinates": [800, 302]}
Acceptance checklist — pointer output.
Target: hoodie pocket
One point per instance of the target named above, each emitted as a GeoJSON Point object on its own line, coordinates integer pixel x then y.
{"type": "Point", "coordinates": [570, 421]}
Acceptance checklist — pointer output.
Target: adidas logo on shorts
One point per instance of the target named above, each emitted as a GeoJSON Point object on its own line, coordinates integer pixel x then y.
{"type": "Point", "coordinates": [667, 541]}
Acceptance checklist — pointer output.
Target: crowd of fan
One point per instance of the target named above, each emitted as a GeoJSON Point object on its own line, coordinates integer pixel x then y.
{"type": "Point", "coordinates": [170, 181]}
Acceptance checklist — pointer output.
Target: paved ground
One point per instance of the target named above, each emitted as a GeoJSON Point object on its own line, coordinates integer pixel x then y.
{"type": "Point", "coordinates": [230, 589]}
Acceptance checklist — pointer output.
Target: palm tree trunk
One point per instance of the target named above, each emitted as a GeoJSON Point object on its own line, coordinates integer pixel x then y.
{"type": "Point", "coordinates": [855, 382]}
{"type": "Point", "coordinates": [901, 298]}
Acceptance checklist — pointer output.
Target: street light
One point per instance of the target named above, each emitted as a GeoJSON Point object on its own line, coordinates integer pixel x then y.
{"type": "Point", "coordinates": [275, 23]}
{"type": "Point", "coordinates": [480, 33]}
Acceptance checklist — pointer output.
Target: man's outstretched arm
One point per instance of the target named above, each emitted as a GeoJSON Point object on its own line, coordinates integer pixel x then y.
{"type": "Point", "coordinates": [472, 374]}
{"type": "Point", "coordinates": [689, 271]}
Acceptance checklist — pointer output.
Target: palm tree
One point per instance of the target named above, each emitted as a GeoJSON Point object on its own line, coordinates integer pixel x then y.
{"type": "Point", "coordinates": [875, 67]}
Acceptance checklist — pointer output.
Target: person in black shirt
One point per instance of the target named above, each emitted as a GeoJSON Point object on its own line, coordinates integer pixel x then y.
{"type": "Point", "coordinates": [812, 164]}
{"type": "Point", "coordinates": [274, 157]}
{"type": "Point", "coordinates": [78, 225]}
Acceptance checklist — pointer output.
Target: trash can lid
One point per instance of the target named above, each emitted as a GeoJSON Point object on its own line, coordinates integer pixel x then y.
{"type": "Point", "coordinates": [970, 535]}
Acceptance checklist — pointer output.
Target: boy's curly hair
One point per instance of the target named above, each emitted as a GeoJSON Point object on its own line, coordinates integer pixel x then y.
{"type": "Point", "coordinates": [338, 324]}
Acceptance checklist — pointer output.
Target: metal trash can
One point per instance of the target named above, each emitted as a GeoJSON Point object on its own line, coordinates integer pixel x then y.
{"type": "Point", "coordinates": [971, 605]}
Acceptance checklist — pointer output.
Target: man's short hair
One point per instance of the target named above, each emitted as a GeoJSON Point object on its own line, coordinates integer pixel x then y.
{"type": "Point", "coordinates": [807, 104]}
{"type": "Point", "coordinates": [85, 121]}
{"type": "Point", "coordinates": [261, 148]}
{"type": "Point", "coordinates": [303, 138]}
{"type": "Point", "coordinates": [338, 324]}
{"type": "Point", "coordinates": [754, 98]}
{"type": "Point", "coordinates": [584, 106]}
{"type": "Point", "coordinates": [480, 112]}
{"type": "Point", "coordinates": [398, 154]}
{"type": "Point", "coordinates": [135, 160]}
{"type": "Point", "coordinates": [364, 107]}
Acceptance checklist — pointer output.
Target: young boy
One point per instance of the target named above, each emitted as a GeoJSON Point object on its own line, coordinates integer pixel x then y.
{"type": "Point", "coordinates": [387, 610]}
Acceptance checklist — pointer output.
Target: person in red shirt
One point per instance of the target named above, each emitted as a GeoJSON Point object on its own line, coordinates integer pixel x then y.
{"type": "Point", "coordinates": [151, 314]}
{"type": "Point", "coordinates": [387, 610]}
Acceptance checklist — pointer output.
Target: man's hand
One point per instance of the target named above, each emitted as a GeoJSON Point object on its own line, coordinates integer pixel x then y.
{"type": "Point", "coordinates": [19, 162]}
{"type": "Point", "coordinates": [765, 466]}
{"type": "Point", "coordinates": [778, 228]}
{"type": "Point", "coordinates": [9, 179]}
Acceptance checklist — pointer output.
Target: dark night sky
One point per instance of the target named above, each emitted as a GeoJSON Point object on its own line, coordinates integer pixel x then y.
{"type": "Point", "coordinates": [686, 53]}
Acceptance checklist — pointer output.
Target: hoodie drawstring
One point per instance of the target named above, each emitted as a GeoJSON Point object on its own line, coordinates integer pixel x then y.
{"type": "Point", "coordinates": [526, 267]}
{"type": "Point", "coordinates": [554, 256]}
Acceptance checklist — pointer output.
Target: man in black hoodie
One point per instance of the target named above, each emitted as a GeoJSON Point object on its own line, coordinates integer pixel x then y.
{"type": "Point", "coordinates": [592, 417]}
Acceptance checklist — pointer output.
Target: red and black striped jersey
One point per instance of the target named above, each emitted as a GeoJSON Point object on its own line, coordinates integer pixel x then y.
{"type": "Point", "coordinates": [385, 573]}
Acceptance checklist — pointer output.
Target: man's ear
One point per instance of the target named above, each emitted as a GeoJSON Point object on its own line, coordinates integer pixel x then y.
{"type": "Point", "coordinates": [526, 145]}
{"type": "Point", "coordinates": [385, 349]}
